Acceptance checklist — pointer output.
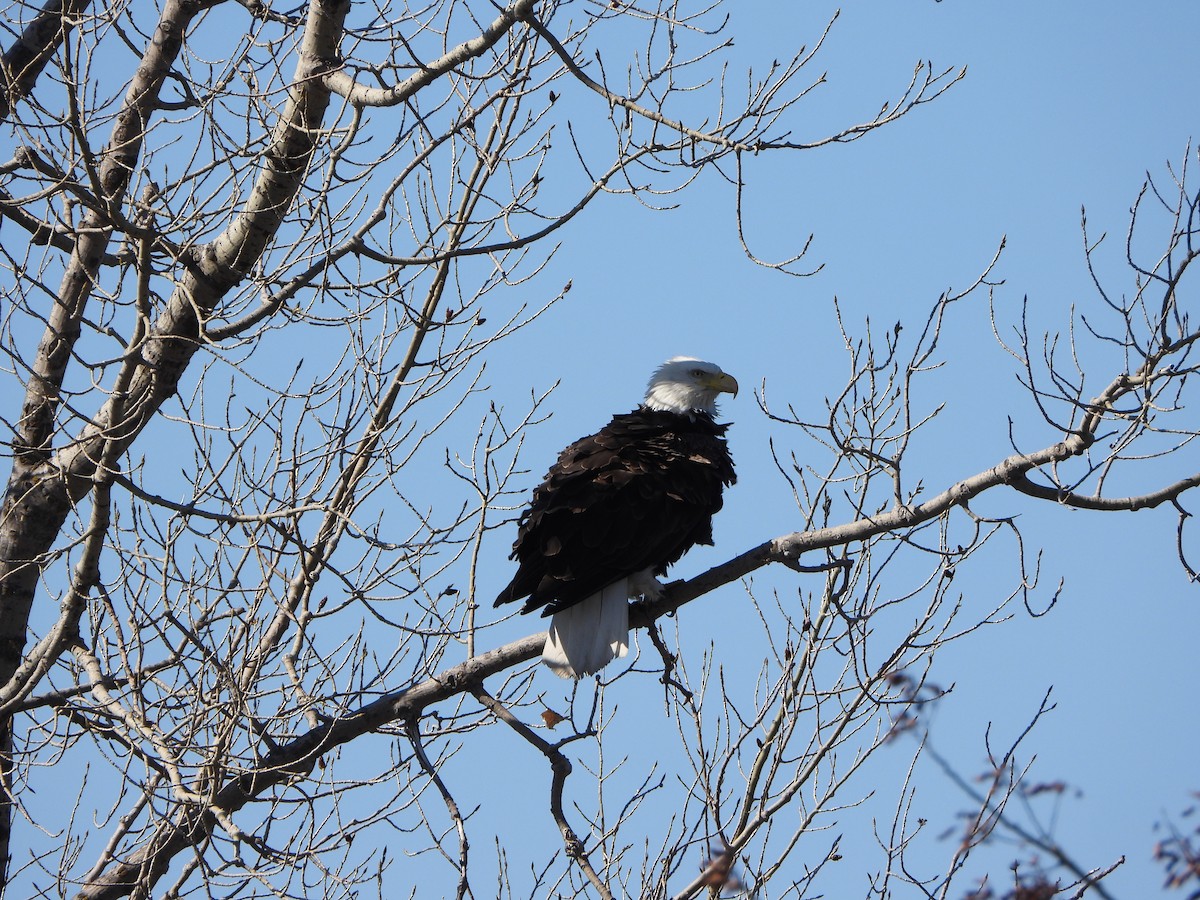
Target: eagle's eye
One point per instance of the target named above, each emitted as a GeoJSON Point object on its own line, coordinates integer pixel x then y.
{"type": "Point", "coordinates": [697, 373]}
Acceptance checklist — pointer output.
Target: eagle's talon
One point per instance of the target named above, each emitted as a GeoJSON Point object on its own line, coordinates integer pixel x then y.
{"type": "Point", "coordinates": [643, 584]}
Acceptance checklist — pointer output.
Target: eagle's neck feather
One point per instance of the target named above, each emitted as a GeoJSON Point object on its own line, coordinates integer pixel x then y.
{"type": "Point", "coordinates": [681, 400]}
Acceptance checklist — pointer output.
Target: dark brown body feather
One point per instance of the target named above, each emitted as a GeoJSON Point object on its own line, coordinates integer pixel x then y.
{"type": "Point", "coordinates": [636, 495]}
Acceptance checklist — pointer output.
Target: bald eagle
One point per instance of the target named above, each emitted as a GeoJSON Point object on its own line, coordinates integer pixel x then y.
{"type": "Point", "coordinates": [618, 508]}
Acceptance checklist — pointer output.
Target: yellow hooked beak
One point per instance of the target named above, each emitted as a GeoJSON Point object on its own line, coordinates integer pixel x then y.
{"type": "Point", "coordinates": [722, 383]}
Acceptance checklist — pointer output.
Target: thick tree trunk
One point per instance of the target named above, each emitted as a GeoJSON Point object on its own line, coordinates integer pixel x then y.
{"type": "Point", "coordinates": [44, 485]}
{"type": "Point", "coordinates": [26, 57]}
{"type": "Point", "coordinates": [41, 491]}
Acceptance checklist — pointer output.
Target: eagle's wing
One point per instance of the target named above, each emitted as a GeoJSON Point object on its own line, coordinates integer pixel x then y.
{"type": "Point", "coordinates": [634, 496]}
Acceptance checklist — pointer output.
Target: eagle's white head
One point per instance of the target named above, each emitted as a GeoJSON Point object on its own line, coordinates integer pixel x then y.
{"type": "Point", "coordinates": [684, 384]}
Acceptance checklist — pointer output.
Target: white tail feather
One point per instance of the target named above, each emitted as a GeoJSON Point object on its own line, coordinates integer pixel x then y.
{"type": "Point", "coordinates": [586, 637]}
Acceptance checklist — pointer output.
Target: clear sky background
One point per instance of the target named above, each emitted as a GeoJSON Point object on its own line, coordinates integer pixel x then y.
{"type": "Point", "coordinates": [1064, 105]}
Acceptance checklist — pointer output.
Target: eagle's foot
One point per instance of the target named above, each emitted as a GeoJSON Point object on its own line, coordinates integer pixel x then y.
{"type": "Point", "coordinates": [644, 584]}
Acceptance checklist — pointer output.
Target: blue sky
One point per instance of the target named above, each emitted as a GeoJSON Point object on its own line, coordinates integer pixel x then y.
{"type": "Point", "coordinates": [1064, 105]}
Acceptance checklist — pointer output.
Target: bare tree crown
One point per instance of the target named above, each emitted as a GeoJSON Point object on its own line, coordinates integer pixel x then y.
{"type": "Point", "coordinates": [255, 261]}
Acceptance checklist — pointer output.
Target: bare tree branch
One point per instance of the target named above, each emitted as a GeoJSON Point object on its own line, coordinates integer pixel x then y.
{"type": "Point", "coordinates": [258, 269]}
